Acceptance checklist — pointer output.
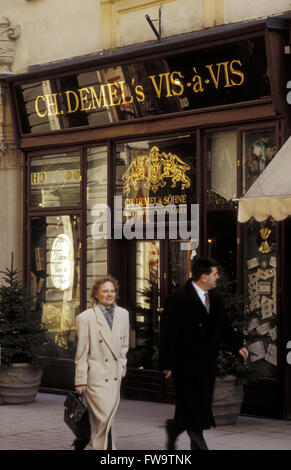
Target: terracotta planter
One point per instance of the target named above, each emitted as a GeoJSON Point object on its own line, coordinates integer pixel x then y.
{"type": "Point", "coordinates": [19, 383]}
{"type": "Point", "coordinates": [227, 400]}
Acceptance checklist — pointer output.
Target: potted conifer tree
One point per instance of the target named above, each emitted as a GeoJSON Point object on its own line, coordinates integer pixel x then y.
{"type": "Point", "coordinates": [22, 341]}
{"type": "Point", "coordinates": [232, 373]}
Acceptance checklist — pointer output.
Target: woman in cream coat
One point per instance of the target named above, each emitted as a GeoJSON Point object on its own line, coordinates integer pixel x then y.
{"type": "Point", "coordinates": [103, 337]}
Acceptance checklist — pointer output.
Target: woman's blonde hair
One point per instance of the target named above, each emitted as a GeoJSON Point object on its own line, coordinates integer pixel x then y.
{"type": "Point", "coordinates": [98, 283]}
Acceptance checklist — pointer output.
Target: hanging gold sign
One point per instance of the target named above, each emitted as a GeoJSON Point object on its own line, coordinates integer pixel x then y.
{"type": "Point", "coordinates": [153, 169]}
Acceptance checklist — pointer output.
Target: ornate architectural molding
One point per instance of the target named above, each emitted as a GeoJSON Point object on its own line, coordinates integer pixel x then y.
{"type": "Point", "coordinates": [8, 34]}
{"type": "Point", "coordinates": [12, 159]}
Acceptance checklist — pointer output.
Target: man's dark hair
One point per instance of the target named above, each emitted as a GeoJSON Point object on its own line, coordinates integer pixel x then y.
{"type": "Point", "coordinates": [201, 266]}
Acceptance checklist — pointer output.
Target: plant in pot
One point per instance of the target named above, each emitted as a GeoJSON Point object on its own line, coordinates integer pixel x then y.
{"type": "Point", "coordinates": [22, 341]}
{"type": "Point", "coordinates": [232, 373]}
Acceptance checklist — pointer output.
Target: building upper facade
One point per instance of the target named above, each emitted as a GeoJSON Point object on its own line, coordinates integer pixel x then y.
{"type": "Point", "coordinates": [50, 30]}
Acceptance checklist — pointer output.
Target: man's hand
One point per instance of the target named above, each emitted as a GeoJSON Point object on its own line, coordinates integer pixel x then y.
{"type": "Point", "coordinates": [167, 373]}
{"type": "Point", "coordinates": [244, 353]}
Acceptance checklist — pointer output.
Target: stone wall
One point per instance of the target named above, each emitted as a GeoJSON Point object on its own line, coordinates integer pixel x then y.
{"type": "Point", "coordinates": [53, 30]}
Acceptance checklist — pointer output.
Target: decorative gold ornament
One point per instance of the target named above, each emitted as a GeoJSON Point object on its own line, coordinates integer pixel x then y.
{"type": "Point", "coordinates": [54, 319]}
{"type": "Point", "coordinates": [264, 247]}
{"type": "Point", "coordinates": [77, 174]}
{"type": "Point", "coordinates": [152, 169]}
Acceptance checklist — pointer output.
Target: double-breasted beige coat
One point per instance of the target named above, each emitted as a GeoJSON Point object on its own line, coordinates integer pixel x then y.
{"type": "Point", "coordinates": [101, 364]}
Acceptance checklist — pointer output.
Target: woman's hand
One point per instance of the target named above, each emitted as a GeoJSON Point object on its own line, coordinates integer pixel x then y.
{"type": "Point", "coordinates": [81, 389]}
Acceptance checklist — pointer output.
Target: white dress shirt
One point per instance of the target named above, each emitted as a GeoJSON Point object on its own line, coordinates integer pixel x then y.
{"type": "Point", "coordinates": [201, 293]}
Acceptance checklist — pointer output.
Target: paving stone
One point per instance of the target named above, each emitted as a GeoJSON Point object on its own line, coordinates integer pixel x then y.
{"type": "Point", "coordinates": [139, 425]}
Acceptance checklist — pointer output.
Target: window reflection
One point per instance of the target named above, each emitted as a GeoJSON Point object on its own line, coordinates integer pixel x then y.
{"type": "Point", "coordinates": [55, 180]}
{"type": "Point", "coordinates": [156, 172]}
{"type": "Point", "coordinates": [147, 304]}
{"type": "Point", "coordinates": [221, 169]}
{"type": "Point", "coordinates": [55, 276]}
{"type": "Point", "coordinates": [180, 264]}
{"type": "Point", "coordinates": [96, 194]}
{"type": "Point", "coordinates": [259, 147]}
{"type": "Point", "coordinates": [178, 82]}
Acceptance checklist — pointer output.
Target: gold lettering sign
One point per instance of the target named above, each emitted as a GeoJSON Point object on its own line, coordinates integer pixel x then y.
{"type": "Point", "coordinates": [56, 177]}
{"type": "Point", "coordinates": [119, 93]}
{"type": "Point", "coordinates": [153, 169]}
{"type": "Point", "coordinates": [38, 177]}
{"type": "Point", "coordinates": [165, 200]}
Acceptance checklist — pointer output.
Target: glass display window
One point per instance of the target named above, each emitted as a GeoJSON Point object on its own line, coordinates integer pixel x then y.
{"type": "Point", "coordinates": [222, 183]}
{"type": "Point", "coordinates": [176, 82]}
{"type": "Point", "coordinates": [260, 259]}
{"type": "Point", "coordinates": [260, 275]}
{"type": "Point", "coordinates": [55, 276]}
{"type": "Point", "coordinates": [180, 263]}
{"type": "Point", "coordinates": [61, 238]}
{"type": "Point", "coordinates": [221, 169]}
{"type": "Point", "coordinates": [259, 147]}
{"type": "Point", "coordinates": [147, 303]}
{"type": "Point", "coordinates": [55, 180]}
{"type": "Point", "coordinates": [96, 190]}
{"type": "Point", "coordinates": [156, 173]}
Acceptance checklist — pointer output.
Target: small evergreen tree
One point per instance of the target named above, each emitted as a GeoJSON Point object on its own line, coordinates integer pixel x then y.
{"type": "Point", "coordinates": [235, 306]}
{"type": "Point", "coordinates": [22, 336]}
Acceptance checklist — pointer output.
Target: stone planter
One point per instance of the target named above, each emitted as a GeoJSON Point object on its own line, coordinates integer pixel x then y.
{"type": "Point", "coordinates": [227, 400]}
{"type": "Point", "coordinates": [19, 383]}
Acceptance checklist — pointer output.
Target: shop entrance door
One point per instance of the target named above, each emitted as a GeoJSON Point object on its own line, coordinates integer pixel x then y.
{"type": "Point", "coordinates": [155, 269]}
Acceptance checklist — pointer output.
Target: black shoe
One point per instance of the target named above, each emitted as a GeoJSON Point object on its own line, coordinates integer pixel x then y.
{"type": "Point", "coordinates": [79, 444]}
{"type": "Point", "coordinates": [171, 434]}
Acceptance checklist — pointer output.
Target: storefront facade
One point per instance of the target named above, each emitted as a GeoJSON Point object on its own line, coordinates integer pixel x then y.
{"type": "Point", "coordinates": [193, 120]}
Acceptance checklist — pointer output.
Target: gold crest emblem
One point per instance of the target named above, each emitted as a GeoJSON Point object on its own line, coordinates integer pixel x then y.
{"type": "Point", "coordinates": [153, 169]}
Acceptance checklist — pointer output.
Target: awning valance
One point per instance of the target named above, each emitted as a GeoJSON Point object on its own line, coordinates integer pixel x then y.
{"type": "Point", "coordinates": [270, 195]}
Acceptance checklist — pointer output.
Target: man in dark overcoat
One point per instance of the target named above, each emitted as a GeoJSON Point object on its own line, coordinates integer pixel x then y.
{"type": "Point", "coordinates": [193, 325]}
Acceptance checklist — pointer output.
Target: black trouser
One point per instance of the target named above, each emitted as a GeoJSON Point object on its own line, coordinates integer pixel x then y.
{"type": "Point", "coordinates": [109, 440]}
{"type": "Point", "coordinates": [197, 441]}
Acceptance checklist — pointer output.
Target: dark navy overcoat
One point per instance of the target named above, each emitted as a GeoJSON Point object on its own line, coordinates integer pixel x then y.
{"type": "Point", "coordinates": [190, 340]}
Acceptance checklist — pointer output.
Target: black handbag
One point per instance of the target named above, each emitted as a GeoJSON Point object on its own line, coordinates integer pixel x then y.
{"type": "Point", "coordinates": [76, 417]}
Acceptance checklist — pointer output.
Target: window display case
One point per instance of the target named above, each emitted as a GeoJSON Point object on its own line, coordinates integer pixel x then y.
{"type": "Point", "coordinates": [55, 180]}
{"type": "Point", "coordinates": [260, 276]}
{"type": "Point", "coordinates": [260, 260]}
{"type": "Point", "coordinates": [55, 276]}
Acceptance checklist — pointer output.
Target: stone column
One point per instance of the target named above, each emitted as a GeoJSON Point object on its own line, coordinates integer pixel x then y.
{"type": "Point", "coordinates": [11, 161]}
{"type": "Point", "coordinates": [11, 195]}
